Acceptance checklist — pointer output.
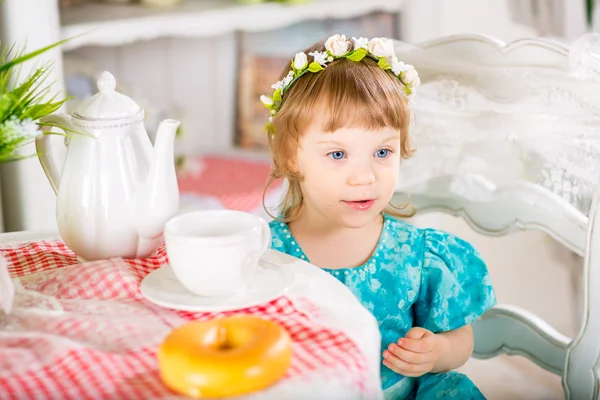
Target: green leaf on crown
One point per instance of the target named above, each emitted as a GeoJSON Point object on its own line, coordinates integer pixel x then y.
{"type": "Point", "coordinates": [383, 64]}
{"type": "Point", "coordinates": [357, 55]}
{"type": "Point", "coordinates": [277, 96]}
{"type": "Point", "coordinates": [315, 67]}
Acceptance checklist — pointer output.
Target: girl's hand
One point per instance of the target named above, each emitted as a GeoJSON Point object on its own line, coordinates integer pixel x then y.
{"type": "Point", "coordinates": [414, 355]}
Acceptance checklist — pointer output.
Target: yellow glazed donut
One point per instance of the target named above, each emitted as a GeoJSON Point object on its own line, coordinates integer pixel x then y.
{"type": "Point", "coordinates": [224, 357]}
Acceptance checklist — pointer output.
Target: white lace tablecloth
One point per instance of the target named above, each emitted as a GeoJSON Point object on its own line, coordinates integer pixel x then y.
{"type": "Point", "coordinates": [83, 331]}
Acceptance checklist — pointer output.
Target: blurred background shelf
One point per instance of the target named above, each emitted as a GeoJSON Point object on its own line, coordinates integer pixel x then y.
{"type": "Point", "coordinates": [206, 62]}
{"type": "Point", "coordinates": [107, 24]}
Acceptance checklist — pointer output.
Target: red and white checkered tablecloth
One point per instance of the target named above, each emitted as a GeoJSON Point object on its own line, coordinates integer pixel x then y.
{"type": "Point", "coordinates": [83, 331]}
{"type": "Point", "coordinates": [232, 181]}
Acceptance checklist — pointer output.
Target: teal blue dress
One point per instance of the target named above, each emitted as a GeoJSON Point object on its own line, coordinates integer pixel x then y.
{"type": "Point", "coordinates": [415, 277]}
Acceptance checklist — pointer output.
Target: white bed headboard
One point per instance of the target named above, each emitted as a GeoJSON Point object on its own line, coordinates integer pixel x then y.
{"type": "Point", "coordinates": [510, 126]}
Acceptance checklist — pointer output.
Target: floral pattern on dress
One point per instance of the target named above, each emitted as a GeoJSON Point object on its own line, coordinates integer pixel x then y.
{"type": "Point", "coordinates": [415, 277]}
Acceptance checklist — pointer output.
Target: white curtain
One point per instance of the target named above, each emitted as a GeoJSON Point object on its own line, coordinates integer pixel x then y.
{"type": "Point", "coordinates": [562, 19]}
{"type": "Point", "coordinates": [507, 123]}
{"type": "Point", "coordinates": [596, 17]}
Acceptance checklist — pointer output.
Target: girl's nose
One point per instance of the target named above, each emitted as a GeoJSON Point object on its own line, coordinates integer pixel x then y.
{"type": "Point", "coordinates": [361, 175]}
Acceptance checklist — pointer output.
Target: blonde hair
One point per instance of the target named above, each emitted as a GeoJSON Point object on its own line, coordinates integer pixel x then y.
{"type": "Point", "coordinates": [347, 94]}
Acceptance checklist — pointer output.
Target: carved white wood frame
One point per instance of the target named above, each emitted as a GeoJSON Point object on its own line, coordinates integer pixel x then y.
{"type": "Point", "coordinates": [524, 205]}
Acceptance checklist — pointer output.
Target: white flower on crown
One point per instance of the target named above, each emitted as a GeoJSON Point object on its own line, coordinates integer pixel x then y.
{"type": "Point", "coordinates": [284, 82]}
{"type": "Point", "coordinates": [337, 45]}
{"type": "Point", "coordinates": [320, 57]}
{"type": "Point", "coordinates": [300, 60]}
{"type": "Point", "coordinates": [361, 43]}
{"type": "Point", "coordinates": [397, 65]}
{"type": "Point", "coordinates": [288, 78]}
{"type": "Point", "coordinates": [266, 100]}
{"type": "Point", "coordinates": [277, 85]}
{"type": "Point", "coordinates": [410, 77]}
{"type": "Point", "coordinates": [381, 47]}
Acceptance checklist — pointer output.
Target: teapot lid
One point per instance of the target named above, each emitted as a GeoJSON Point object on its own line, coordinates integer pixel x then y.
{"type": "Point", "coordinates": [107, 104]}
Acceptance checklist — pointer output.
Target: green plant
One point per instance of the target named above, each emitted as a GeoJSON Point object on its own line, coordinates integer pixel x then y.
{"type": "Point", "coordinates": [23, 104]}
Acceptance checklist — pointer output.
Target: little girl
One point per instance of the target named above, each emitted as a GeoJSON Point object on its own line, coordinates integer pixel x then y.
{"type": "Point", "coordinates": [338, 129]}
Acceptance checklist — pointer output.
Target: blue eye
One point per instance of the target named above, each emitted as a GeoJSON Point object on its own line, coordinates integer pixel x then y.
{"type": "Point", "coordinates": [337, 155]}
{"type": "Point", "coordinates": [382, 153]}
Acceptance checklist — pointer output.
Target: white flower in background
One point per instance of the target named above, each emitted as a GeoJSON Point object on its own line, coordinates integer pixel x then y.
{"type": "Point", "coordinates": [337, 45]}
{"type": "Point", "coordinates": [320, 57]}
{"type": "Point", "coordinates": [300, 60]}
{"type": "Point", "coordinates": [30, 129]}
{"type": "Point", "coordinates": [381, 47]}
{"type": "Point", "coordinates": [397, 65]}
{"type": "Point", "coordinates": [15, 130]}
{"type": "Point", "coordinates": [361, 43]}
{"type": "Point", "coordinates": [266, 100]}
{"type": "Point", "coordinates": [410, 76]}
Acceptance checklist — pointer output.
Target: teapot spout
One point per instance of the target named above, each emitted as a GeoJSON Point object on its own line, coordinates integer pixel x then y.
{"type": "Point", "coordinates": [157, 198]}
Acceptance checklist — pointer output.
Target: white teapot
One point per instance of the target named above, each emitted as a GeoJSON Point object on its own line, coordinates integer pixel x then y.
{"type": "Point", "coordinates": [115, 192]}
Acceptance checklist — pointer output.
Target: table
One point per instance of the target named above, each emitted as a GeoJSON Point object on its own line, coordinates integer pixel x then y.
{"type": "Point", "coordinates": [83, 331]}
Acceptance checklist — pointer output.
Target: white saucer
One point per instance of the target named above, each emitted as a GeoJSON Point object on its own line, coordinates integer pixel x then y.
{"type": "Point", "coordinates": [161, 287]}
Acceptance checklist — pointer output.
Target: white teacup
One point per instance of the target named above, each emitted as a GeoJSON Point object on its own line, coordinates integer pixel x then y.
{"type": "Point", "coordinates": [213, 253]}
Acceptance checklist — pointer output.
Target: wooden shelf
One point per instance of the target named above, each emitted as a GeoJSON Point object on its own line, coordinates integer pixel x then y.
{"type": "Point", "coordinates": [114, 24]}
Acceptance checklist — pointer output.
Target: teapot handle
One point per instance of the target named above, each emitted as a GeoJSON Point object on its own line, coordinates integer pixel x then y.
{"type": "Point", "coordinates": [43, 147]}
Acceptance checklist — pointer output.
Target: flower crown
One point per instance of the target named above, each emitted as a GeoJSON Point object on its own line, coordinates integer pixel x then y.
{"type": "Point", "coordinates": [336, 47]}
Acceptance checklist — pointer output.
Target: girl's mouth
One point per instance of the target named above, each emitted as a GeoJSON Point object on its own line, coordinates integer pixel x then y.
{"type": "Point", "coordinates": [361, 205]}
